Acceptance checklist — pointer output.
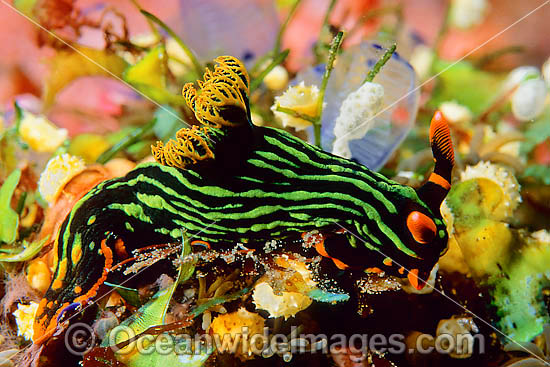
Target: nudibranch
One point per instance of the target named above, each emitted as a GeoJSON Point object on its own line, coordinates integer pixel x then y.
{"type": "Point", "coordinates": [229, 182]}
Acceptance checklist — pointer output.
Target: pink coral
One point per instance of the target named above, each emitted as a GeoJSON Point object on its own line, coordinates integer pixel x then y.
{"type": "Point", "coordinates": [304, 28]}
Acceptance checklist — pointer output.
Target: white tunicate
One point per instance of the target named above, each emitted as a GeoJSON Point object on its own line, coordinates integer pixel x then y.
{"type": "Point", "coordinates": [519, 75]}
{"type": "Point", "coordinates": [356, 116]}
{"type": "Point", "coordinates": [455, 113]}
{"type": "Point", "coordinates": [421, 60]}
{"type": "Point", "coordinates": [58, 172]}
{"type": "Point", "coordinates": [542, 236]}
{"type": "Point", "coordinates": [460, 330]}
{"type": "Point", "coordinates": [300, 98]}
{"type": "Point", "coordinates": [528, 100]}
{"type": "Point", "coordinates": [277, 78]}
{"type": "Point", "coordinates": [399, 106]}
{"type": "Point", "coordinates": [467, 13]}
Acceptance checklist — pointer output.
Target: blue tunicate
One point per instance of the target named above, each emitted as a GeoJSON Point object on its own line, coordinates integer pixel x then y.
{"type": "Point", "coordinates": [399, 109]}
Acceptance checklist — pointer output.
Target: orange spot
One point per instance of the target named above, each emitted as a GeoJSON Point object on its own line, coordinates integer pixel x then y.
{"type": "Point", "coordinates": [61, 273]}
{"type": "Point", "coordinates": [414, 279]}
{"type": "Point", "coordinates": [438, 180]}
{"type": "Point", "coordinates": [120, 249]}
{"type": "Point", "coordinates": [108, 253]}
{"type": "Point", "coordinates": [77, 289]}
{"type": "Point", "coordinates": [374, 270]}
{"type": "Point", "coordinates": [421, 227]}
{"type": "Point", "coordinates": [387, 261]}
{"type": "Point", "coordinates": [320, 247]}
{"type": "Point", "coordinates": [339, 264]}
{"type": "Point", "coordinates": [400, 115]}
{"type": "Point", "coordinates": [50, 304]}
{"type": "Point", "coordinates": [76, 254]}
{"type": "Point", "coordinates": [401, 270]}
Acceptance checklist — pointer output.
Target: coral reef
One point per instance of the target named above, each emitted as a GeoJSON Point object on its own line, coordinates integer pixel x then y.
{"type": "Point", "coordinates": [85, 95]}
